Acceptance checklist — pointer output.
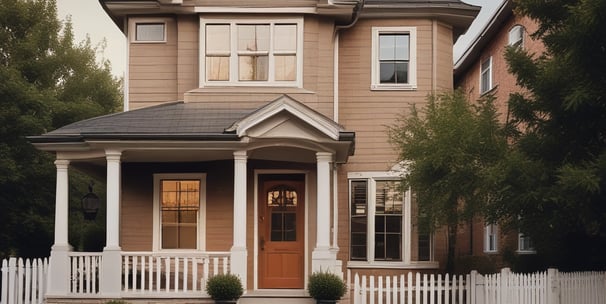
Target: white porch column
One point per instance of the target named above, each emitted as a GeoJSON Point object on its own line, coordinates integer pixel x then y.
{"type": "Point", "coordinates": [323, 258]}
{"type": "Point", "coordinates": [112, 259]}
{"type": "Point", "coordinates": [58, 283]}
{"type": "Point", "coordinates": [238, 250]}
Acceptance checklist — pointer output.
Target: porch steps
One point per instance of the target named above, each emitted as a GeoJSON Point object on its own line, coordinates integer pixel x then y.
{"type": "Point", "coordinates": [276, 296]}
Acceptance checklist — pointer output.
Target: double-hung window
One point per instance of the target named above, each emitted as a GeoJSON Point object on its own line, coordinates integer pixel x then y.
{"type": "Point", "coordinates": [179, 211]}
{"type": "Point", "coordinates": [490, 238]}
{"type": "Point", "coordinates": [380, 218]}
{"type": "Point", "coordinates": [486, 75]}
{"type": "Point", "coordinates": [394, 58]}
{"type": "Point", "coordinates": [525, 244]}
{"type": "Point", "coordinates": [251, 52]}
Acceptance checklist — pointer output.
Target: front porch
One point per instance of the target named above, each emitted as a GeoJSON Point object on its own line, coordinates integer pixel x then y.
{"type": "Point", "coordinates": [163, 243]}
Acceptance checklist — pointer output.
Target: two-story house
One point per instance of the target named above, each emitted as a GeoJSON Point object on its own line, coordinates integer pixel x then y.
{"type": "Point", "coordinates": [482, 69]}
{"type": "Point", "coordinates": [255, 142]}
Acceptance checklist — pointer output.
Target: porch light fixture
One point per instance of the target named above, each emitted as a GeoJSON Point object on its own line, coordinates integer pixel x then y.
{"type": "Point", "coordinates": [90, 204]}
{"type": "Point", "coordinates": [282, 196]}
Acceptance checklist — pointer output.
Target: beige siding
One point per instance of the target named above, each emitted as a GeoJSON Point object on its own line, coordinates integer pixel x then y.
{"type": "Point", "coordinates": [152, 66]}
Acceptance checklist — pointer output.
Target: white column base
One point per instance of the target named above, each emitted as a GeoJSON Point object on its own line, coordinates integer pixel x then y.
{"type": "Point", "coordinates": [238, 258]}
{"type": "Point", "coordinates": [325, 260]}
{"type": "Point", "coordinates": [59, 271]}
{"type": "Point", "coordinates": [111, 273]}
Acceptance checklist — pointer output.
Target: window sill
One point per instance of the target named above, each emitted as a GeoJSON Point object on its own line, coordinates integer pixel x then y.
{"type": "Point", "coordinates": [491, 91]}
{"type": "Point", "coordinates": [245, 90]}
{"type": "Point", "coordinates": [393, 265]}
{"type": "Point", "coordinates": [491, 252]}
{"type": "Point", "coordinates": [525, 252]}
{"type": "Point", "coordinates": [383, 87]}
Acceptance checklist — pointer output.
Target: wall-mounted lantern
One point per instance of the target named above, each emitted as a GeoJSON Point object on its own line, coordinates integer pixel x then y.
{"type": "Point", "coordinates": [90, 204]}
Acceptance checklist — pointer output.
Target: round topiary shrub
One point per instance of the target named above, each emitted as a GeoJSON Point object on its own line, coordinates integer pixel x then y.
{"type": "Point", "coordinates": [224, 287]}
{"type": "Point", "coordinates": [326, 286]}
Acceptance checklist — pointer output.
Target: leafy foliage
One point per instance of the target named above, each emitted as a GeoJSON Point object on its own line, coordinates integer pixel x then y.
{"type": "Point", "coordinates": [47, 82]}
{"type": "Point", "coordinates": [326, 286]}
{"type": "Point", "coordinates": [554, 179]}
{"type": "Point", "coordinates": [224, 287]}
{"type": "Point", "coordinates": [450, 150]}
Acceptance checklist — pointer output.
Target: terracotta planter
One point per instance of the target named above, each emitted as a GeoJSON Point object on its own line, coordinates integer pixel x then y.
{"type": "Point", "coordinates": [226, 301]}
{"type": "Point", "coordinates": [326, 301]}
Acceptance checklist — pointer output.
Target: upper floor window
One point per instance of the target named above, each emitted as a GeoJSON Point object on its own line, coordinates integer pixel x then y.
{"type": "Point", "coordinates": [179, 208]}
{"type": "Point", "coordinates": [486, 76]}
{"type": "Point", "coordinates": [394, 58]}
{"type": "Point", "coordinates": [490, 238]}
{"type": "Point", "coordinates": [251, 52]}
{"type": "Point", "coordinates": [516, 36]}
{"type": "Point", "coordinates": [148, 30]}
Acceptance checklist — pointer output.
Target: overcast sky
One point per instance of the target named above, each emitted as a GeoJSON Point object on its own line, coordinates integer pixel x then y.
{"type": "Point", "coordinates": [89, 18]}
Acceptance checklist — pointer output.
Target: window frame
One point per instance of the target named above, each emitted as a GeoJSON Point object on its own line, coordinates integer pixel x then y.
{"type": "Point", "coordinates": [488, 246]}
{"type": "Point", "coordinates": [489, 71]}
{"type": "Point", "coordinates": [516, 29]}
{"type": "Point", "coordinates": [233, 56]}
{"type": "Point", "coordinates": [521, 250]}
{"type": "Point", "coordinates": [157, 215]}
{"type": "Point", "coordinates": [132, 32]}
{"type": "Point", "coordinates": [372, 178]}
{"type": "Point", "coordinates": [412, 58]}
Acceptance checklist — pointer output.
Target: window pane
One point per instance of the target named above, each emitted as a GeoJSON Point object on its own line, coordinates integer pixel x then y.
{"type": "Point", "coordinates": [253, 68]}
{"type": "Point", "coordinates": [149, 32]}
{"type": "Point", "coordinates": [393, 224]}
{"type": "Point", "coordinates": [401, 72]}
{"type": "Point", "coordinates": [401, 47]}
{"type": "Point", "coordinates": [380, 247]}
{"type": "Point", "coordinates": [387, 47]}
{"type": "Point", "coordinates": [359, 221]}
{"type": "Point", "coordinates": [285, 38]}
{"type": "Point", "coordinates": [388, 72]}
{"type": "Point", "coordinates": [290, 227]}
{"type": "Point", "coordinates": [253, 37]}
{"type": "Point", "coordinates": [217, 68]}
{"type": "Point", "coordinates": [286, 67]}
{"type": "Point", "coordinates": [393, 247]}
{"type": "Point", "coordinates": [217, 39]}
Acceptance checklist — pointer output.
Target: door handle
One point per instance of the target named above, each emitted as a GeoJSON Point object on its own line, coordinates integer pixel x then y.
{"type": "Point", "coordinates": [262, 243]}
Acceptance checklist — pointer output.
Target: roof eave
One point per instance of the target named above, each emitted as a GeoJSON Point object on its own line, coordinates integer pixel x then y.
{"type": "Point", "coordinates": [492, 27]}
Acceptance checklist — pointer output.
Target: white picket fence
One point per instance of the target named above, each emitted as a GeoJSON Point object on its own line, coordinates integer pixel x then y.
{"type": "Point", "coordinates": [23, 282]}
{"type": "Point", "coordinates": [550, 287]}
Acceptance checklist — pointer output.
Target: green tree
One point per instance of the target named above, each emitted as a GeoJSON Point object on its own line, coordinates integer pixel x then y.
{"type": "Point", "coordinates": [554, 179]}
{"type": "Point", "coordinates": [47, 81]}
{"type": "Point", "coordinates": [450, 150]}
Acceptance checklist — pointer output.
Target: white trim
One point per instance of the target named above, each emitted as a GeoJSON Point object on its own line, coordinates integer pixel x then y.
{"type": "Point", "coordinates": [233, 58]}
{"type": "Point", "coordinates": [258, 172]}
{"type": "Point", "coordinates": [394, 265]}
{"type": "Point", "coordinates": [489, 70]}
{"type": "Point", "coordinates": [412, 61]}
{"type": "Point", "coordinates": [157, 235]}
{"type": "Point", "coordinates": [132, 28]}
{"type": "Point", "coordinates": [253, 10]}
{"type": "Point", "coordinates": [285, 103]}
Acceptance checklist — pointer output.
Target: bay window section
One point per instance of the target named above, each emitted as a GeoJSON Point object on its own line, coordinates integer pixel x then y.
{"type": "Point", "coordinates": [380, 220]}
{"type": "Point", "coordinates": [251, 52]}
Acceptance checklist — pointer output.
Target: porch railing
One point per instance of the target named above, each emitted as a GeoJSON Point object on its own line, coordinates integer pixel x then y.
{"type": "Point", "coordinates": [170, 274]}
{"type": "Point", "coordinates": [85, 272]}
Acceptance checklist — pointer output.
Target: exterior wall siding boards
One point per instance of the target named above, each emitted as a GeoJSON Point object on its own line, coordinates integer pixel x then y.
{"type": "Point", "coordinates": [153, 67]}
{"type": "Point", "coordinates": [444, 61]}
{"type": "Point", "coordinates": [187, 49]}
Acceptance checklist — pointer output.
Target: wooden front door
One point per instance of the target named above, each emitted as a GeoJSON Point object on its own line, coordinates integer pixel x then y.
{"type": "Point", "coordinates": [281, 231]}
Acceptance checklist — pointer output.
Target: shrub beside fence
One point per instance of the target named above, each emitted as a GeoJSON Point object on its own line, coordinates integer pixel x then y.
{"type": "Point", "coordinates": [23, 281]}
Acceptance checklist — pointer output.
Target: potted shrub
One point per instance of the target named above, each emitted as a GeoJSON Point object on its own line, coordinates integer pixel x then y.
{"type": "Point", "coordinates": [224, 288]}
{"type": "Point", "coordinates": [326, 287]}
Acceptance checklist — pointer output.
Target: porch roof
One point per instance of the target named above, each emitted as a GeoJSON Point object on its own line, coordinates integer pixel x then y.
{"type": "Point", "coordinates": [191, 124]}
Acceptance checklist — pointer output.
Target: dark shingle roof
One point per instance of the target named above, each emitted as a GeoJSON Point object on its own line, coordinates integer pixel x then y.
{"type": "Point", "coordinates": [170, 119]}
